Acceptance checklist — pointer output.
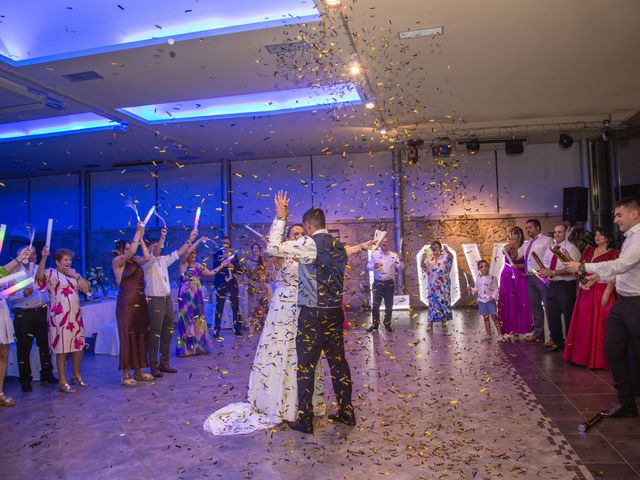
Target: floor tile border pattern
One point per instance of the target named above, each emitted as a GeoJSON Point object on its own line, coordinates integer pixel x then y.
{"type": "Point", "coordinates": [554, 436]}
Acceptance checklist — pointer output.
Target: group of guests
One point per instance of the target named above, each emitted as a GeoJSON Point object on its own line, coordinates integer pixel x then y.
{"type": "Point", "coordinates": [535, 282]}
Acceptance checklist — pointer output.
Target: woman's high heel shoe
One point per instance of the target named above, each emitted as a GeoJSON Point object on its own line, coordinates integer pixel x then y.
{"type": "Point", "coordinates": [66, 388]}
{"type": "Point", "coordinates": [79, 381]}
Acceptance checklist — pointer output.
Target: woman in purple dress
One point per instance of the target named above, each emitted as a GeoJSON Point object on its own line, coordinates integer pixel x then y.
{"type": "Point", "coordinates": [513, 302]}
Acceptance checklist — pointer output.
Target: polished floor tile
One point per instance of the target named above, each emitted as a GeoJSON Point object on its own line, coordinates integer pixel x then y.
{"type": "Point", "coordinates": [429, 405]}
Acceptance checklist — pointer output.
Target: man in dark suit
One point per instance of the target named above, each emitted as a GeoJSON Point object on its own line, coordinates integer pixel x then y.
{"type": "Point", "coordinates": [226, 285]}
{"type": "Point", "coordinates": [322, 260]}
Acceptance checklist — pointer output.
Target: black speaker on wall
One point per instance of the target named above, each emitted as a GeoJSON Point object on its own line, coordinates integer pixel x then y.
{"type": "Point", "coordinates": [514, 147]}
{"type": "Point", "coordinates": [629, 191]}
{"type": "Point", "coordinates": [575, 204]}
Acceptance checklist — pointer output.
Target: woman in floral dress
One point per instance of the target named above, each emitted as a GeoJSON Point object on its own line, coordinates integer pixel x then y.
{"type": "Point", "coordinates": [438, 266]}
{"type": "Point", "coordinates": [193, 334]}
{"type": "Point", "coordinates": [66, 329]}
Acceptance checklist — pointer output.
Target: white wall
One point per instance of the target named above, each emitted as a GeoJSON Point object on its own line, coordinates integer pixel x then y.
{"type": "Point", "coordinates": [255, 182]}
{"type": "Point", "coordinates": [458, 185]}
{"type": "Point", "coordinates": [628, 152]}
{"type": "Point", "coordinates": [182, 190]}
{"type": "Point", "coordinates": [57, 197]}
{"type": "Point", "coordinates": [359, 185]}
{"type": "Point", "coordinates": [14, 198]}
{"type": "Point", "coordinates": [109, 193]}
{"type": "Point", "coordinates": [533, 181]}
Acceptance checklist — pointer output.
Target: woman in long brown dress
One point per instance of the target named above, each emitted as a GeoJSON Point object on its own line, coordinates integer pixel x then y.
{"type": "Point", "coordinates": [132, 314]}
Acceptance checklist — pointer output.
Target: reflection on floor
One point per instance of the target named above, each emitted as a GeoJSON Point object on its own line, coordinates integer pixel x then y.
{"type": "Point", "coordinates": [429, 405]}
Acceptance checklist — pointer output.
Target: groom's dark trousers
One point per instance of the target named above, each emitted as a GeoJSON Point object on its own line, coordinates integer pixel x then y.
{"type": "Point", "coordinates": [321, 329]}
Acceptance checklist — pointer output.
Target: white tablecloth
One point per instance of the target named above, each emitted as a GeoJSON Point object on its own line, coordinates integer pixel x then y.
{"type": "Point", "coordinates": [98, 313]}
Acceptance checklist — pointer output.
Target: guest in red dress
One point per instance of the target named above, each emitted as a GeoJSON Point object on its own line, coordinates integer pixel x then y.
{"type": "Point", "coordinates": [585, 339]}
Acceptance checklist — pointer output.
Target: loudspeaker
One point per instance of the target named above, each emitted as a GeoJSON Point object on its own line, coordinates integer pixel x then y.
{"type": "Point", "coordinates": [629, 191]}
{"type": "Point", "coordinates": [513, 147]}
{"type": "Point", "coordinates": [575, 204]}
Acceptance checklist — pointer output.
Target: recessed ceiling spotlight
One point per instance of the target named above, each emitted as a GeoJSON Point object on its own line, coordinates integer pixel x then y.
{"type": "Point", "coordinates": [332, 3]}
{"type": "Point", "coordinates": [370, 105]}
{"type": "Point", "coordinates": [355, 69]}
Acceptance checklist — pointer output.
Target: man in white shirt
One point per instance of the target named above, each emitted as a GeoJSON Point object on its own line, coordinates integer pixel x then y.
{"type": "Point", "coordinates": [29, 307]}
{"type": "Point", "coordinates": [158, 291]}
{"type": "Point", "coordinates": [561, 295]}
{"type": "Point", "coordinates": [623, 323]}
{"type": "Point", "coordinates": [536, 289]}
{"type": "Point", "coordinates": [384, 264]}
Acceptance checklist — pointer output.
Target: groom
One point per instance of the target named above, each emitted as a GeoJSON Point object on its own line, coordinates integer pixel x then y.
{"type": "Point", "coordinates": [321, 264]}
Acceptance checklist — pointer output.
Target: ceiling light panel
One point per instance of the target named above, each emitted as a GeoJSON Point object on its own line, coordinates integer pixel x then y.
{"type": "Point", "coordinates": [264, 103]}
{"type": "Point", "coordinates": [47, 127]}
{"type": "Point", "coordinates": [425, 32]}
{"type": "Point", "coordinates": [35, 31]}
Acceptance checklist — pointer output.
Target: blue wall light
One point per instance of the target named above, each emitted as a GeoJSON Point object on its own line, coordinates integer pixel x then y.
{"type": "Point", "coordinates": [47, 127]}
{"type": "Point", "coordinates": [264, 103]}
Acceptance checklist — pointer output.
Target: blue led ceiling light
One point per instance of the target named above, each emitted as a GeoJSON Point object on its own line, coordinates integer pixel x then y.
{"type": "Point", "coordinates": [47, 127]}
{"type": "Point", "coordinates": [35, 31]}
{"type": "Point", "coordinates": [265, 103]}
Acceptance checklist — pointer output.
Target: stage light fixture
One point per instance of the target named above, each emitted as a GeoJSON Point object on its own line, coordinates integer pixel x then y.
{"type": "Point", "coordinates": [355, 69]}
{"type": "Point", "coordinates": [441, 147]}
{"type": "Point", "coordinates": [412, 150]}
{"type": "Point", "coordinates": [370, 105]}
{"type": "Point", "coordinates": [473, 146]}
{"type": "Point", "coordinates": [332, 3]}
{"type": "Point", "coordinates": [565, 141]}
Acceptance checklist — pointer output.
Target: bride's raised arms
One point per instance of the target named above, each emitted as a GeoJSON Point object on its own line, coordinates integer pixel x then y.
{"type": "Point", "coordinates": [302, 249]}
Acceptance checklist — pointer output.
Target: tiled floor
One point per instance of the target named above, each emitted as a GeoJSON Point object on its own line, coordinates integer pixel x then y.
{"type": "Point", "coordinates": [570, 394]}
{"type": "Point", "coordinates": [428, 405]}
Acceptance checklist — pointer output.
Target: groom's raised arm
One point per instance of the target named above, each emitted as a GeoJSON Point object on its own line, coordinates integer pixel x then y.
{"type": "Point", "coordinates": [304, 249]}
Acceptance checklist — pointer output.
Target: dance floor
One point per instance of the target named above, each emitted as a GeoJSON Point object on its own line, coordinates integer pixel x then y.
{"type": "Point", "coordinates": [429, 405]}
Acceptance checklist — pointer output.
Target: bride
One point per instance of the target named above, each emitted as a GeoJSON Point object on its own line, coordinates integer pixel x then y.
{"type": "Point", "coordinates": [273, 390]}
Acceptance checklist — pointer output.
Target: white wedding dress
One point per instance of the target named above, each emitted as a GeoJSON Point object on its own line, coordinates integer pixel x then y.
{"type": "Point", "coordinates": [273, 390]}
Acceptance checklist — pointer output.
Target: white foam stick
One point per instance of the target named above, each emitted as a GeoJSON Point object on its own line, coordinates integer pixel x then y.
{"type": "Point", "coordinates": [197, 220]}
{"type": "Point", "coordinates": [508, 257]}
{"type": "Point", "coordinates": [149, 214]}
{"type": "Point", "coordinates": [253, 231]}
{"type": "Point", "coordinates": [161, 219]}
{"type": "Point", "coordinates": [3, 231]}
{"type": "Point", "coordinates": [131, 204]}
{"type": "Point", "coordinates": [14, 277]}
{"type": "Point", "coordinates": [49, 229]}
{"type": "Point", "coordinates": [14, 288]}
{"type": "Point", "coordinates": [33, 235]}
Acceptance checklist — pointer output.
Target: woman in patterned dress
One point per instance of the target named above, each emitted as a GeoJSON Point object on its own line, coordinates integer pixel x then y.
{"type": "Point", "coordinates": [256, 287]}
{"type": "Point", "coordinates": [6, 326]}
{"type": "Point", "coordinates": [438, 266]}
{"type": "Point", "coordinates": [193, 334]}
{"type": "Point", "coordinates": [66, 329]}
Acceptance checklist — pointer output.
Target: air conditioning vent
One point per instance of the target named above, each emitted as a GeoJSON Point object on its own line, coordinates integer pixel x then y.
{"type": "Point", "coordinates": [83, 76]}
{"type": "Point", "coordinates": [288, 47]}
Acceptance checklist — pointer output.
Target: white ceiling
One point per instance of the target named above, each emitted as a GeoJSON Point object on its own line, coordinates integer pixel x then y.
{"type": "Point", "coordinates": [499, 64]}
